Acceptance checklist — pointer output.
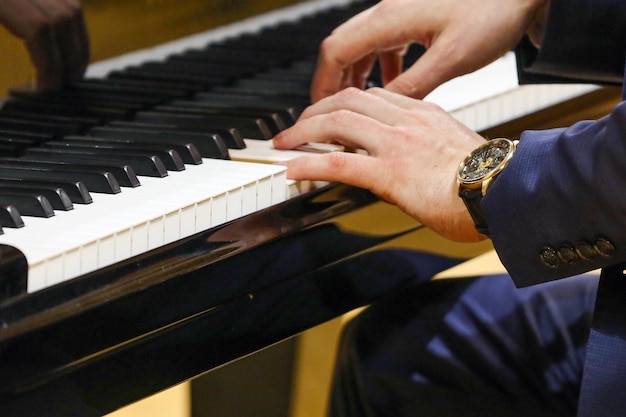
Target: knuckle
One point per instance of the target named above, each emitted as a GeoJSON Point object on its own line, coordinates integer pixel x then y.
{"type": "Point", "coordinates": [405, 86]}
{"type": "Point", "coordinates": [336, 162]}
{"type": "Point", "coordinates": [340, 117]}
{"type": "Point", "coordinates": [347, 97]}
{"type": "Point", "coordinates": [390, 5]}
{"type": "Point", "coordinates": [348, 94]}
{"type": "Point", "coordinates": [328, 46]}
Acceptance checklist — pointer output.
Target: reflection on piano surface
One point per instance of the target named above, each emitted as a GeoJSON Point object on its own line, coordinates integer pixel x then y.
{"type": "Point", "coordinates": [146, 255]}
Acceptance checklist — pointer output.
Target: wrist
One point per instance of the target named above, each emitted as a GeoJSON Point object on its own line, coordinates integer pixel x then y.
{"type": "Point", "coordinates": [478, 171]}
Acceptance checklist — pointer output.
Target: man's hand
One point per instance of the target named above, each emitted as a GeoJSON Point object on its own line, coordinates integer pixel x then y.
{"type": "Point", "coordinates": [413, 151]}
{"type": "Point", "coordinates": [55, 35]}
{"type": "Point", "coordinates": [460, 37]}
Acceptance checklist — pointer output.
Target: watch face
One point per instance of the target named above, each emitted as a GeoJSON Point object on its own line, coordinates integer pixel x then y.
{"type": "Point", "coordinates": [484, 160]}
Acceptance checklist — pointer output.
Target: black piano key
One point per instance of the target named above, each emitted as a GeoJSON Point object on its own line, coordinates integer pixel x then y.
{"type": "Point", "coordinates": [209, 145]}
{"type": "Point", "coordinates": [181, 154]}
{"type": "Point", "coordinates": [56, 128]}
{"type": "Point", "coordinates": [27, 204]}
{"type": "Point", "coordinates": [64, 119]}
{"type": "Point", "coordinates": [294, 105]}
{"type": "Point", "coordinates": [77, 191]}
{"type": "Point", "coordinates": [254, 58]}
{"type": "Point", "coordinates": [128, 97]}
{"type": "Point", "coordinates": [272, 41]}
{"type": "Point", "coordinates": [227, 71]}
{"type": "Point", "coordinates": [231, 137]}
{"type": "Point", "coordinates": [19, 141]}
{"type": "Point", "coordinates": [280, 86]}
{"type": "Point", "coordinates": [161, 89]}
{"type": "Point", "coordinates": [35, 138]}
{"type": "Point", "coordinates": [98, 112]}
{"type": "Point", "coordinates": [169, 158]}
{"type": "Point", "coordinates": [123, 75]}
{"type": "Point", "coordinates": [273, 120]}
{"type": "Point", "coordinates": [11, 149]}
{"type": "Point", "coordinates": [149, 92]}
{"type": "Point", "coordinates": [124, 174]}
{"type": "Point", "coordinates": [96, 180]}
{"type": "Point", "coordinates": [57, 197]}
{"type": "Point", "coordinates": [284, 74]}
{"type": "Point", "coordinates": [175, 74]}
{"type": "Point", "coordinates": [262, 89]}
{"type": "Point", "coordinates": [283, 116]}
{"type": "Point", "coordinates": [10, 217]}
{"type": "Point", "coordinates": [250, 127]}
{"type": "Point", "coordinates": [133, 163]}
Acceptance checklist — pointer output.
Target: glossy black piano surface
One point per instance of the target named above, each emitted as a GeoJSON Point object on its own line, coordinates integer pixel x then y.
{"type": "Point", "coordinates": [104, 340]}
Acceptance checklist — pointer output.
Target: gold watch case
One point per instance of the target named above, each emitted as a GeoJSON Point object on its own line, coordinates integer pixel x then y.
{"type": "Point", "coordinates": [484, 163]}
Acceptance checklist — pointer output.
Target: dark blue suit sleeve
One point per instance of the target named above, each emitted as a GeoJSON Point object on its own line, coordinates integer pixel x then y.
{"type": "Point", "coordinates": [564, 191]}
{"type": "Point", "coordinates": [559, 208]}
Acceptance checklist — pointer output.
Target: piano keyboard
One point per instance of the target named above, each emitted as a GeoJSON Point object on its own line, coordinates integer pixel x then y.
{"type": "Point", "coordinates": [176, 128]}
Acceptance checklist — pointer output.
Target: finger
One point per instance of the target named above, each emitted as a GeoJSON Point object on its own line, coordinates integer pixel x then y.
{"type": "Point", "coordinates": [337, 127]}
{"type": "Point", "coordinates": [390, 64]}
{"type": "Point", "coordinates": [73, 45]}
{"type": "Point", "coordinates": [460, 56]}
{"type": "Point", "coordinates": [374, 103]}
{"type": "Point", "coordinates": [348, 168]}
{"type": "Point", "coordinates": [46, 59]}
{"type": "Point", "coordinates": [74, 41]}
{"type": "Point", "coordinates": [427, 72]}
{"type": "Point", "coordinates": [348, 45]}
{"type": "Point", "coordinates": [68, 40]}
{"type": "Point", "coordinates": [360, 71]}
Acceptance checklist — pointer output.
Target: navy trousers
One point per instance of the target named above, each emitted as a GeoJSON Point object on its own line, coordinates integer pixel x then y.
{"type": "Point", "coordinates": [468, 347]}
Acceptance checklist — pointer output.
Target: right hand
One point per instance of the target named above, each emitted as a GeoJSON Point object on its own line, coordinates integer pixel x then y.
{"type": "Point", "coordinates": [55, 35]}
{"type": "Point", "coordinates": [460, 37]}
{"type": "Point", "coordinates": [412, 153]}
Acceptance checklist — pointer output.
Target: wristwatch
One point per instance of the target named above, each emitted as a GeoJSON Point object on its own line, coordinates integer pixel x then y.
{"type": "Point", "coordinates": [478, 171]}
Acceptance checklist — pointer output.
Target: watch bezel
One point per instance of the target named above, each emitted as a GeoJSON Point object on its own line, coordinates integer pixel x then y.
{"type": "Point", "coordinates": [476, 183]}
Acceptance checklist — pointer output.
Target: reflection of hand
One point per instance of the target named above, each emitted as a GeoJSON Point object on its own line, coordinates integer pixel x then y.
{"type": "Point", "coordinates": [55, 34]}
{"type": "Point", "coordinates": [413, 153]}
{"type": "Point", "coordinates": [460, 37]}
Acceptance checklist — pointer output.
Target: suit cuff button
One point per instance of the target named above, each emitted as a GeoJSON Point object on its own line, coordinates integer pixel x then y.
{"type": "Point", "coordinates": [567, 254]}
{"type": "Point", "coordinates": [586, 251]}
{"type": "Point", "coordinates": [549, 257]}
{"type": "Point", "coordinates": [604, 246]}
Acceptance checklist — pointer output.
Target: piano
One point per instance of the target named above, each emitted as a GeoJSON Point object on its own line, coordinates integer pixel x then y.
{"type": "Point", "coordinates": [148, 237]}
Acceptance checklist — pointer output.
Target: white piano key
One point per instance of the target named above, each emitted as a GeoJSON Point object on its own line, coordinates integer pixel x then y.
{"type": "Point", "coordinates": [492, 95]}
{"type": "Point", "coordinates": [263, 151]}
{"type": "Point", "coordinates": [161, 210]}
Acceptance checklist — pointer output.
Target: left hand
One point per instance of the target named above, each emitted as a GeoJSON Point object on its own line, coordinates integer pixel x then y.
{"type": "Point", "coordinates": [55, 35]}
{"type": "Point", "coordinates": [413, 151]}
